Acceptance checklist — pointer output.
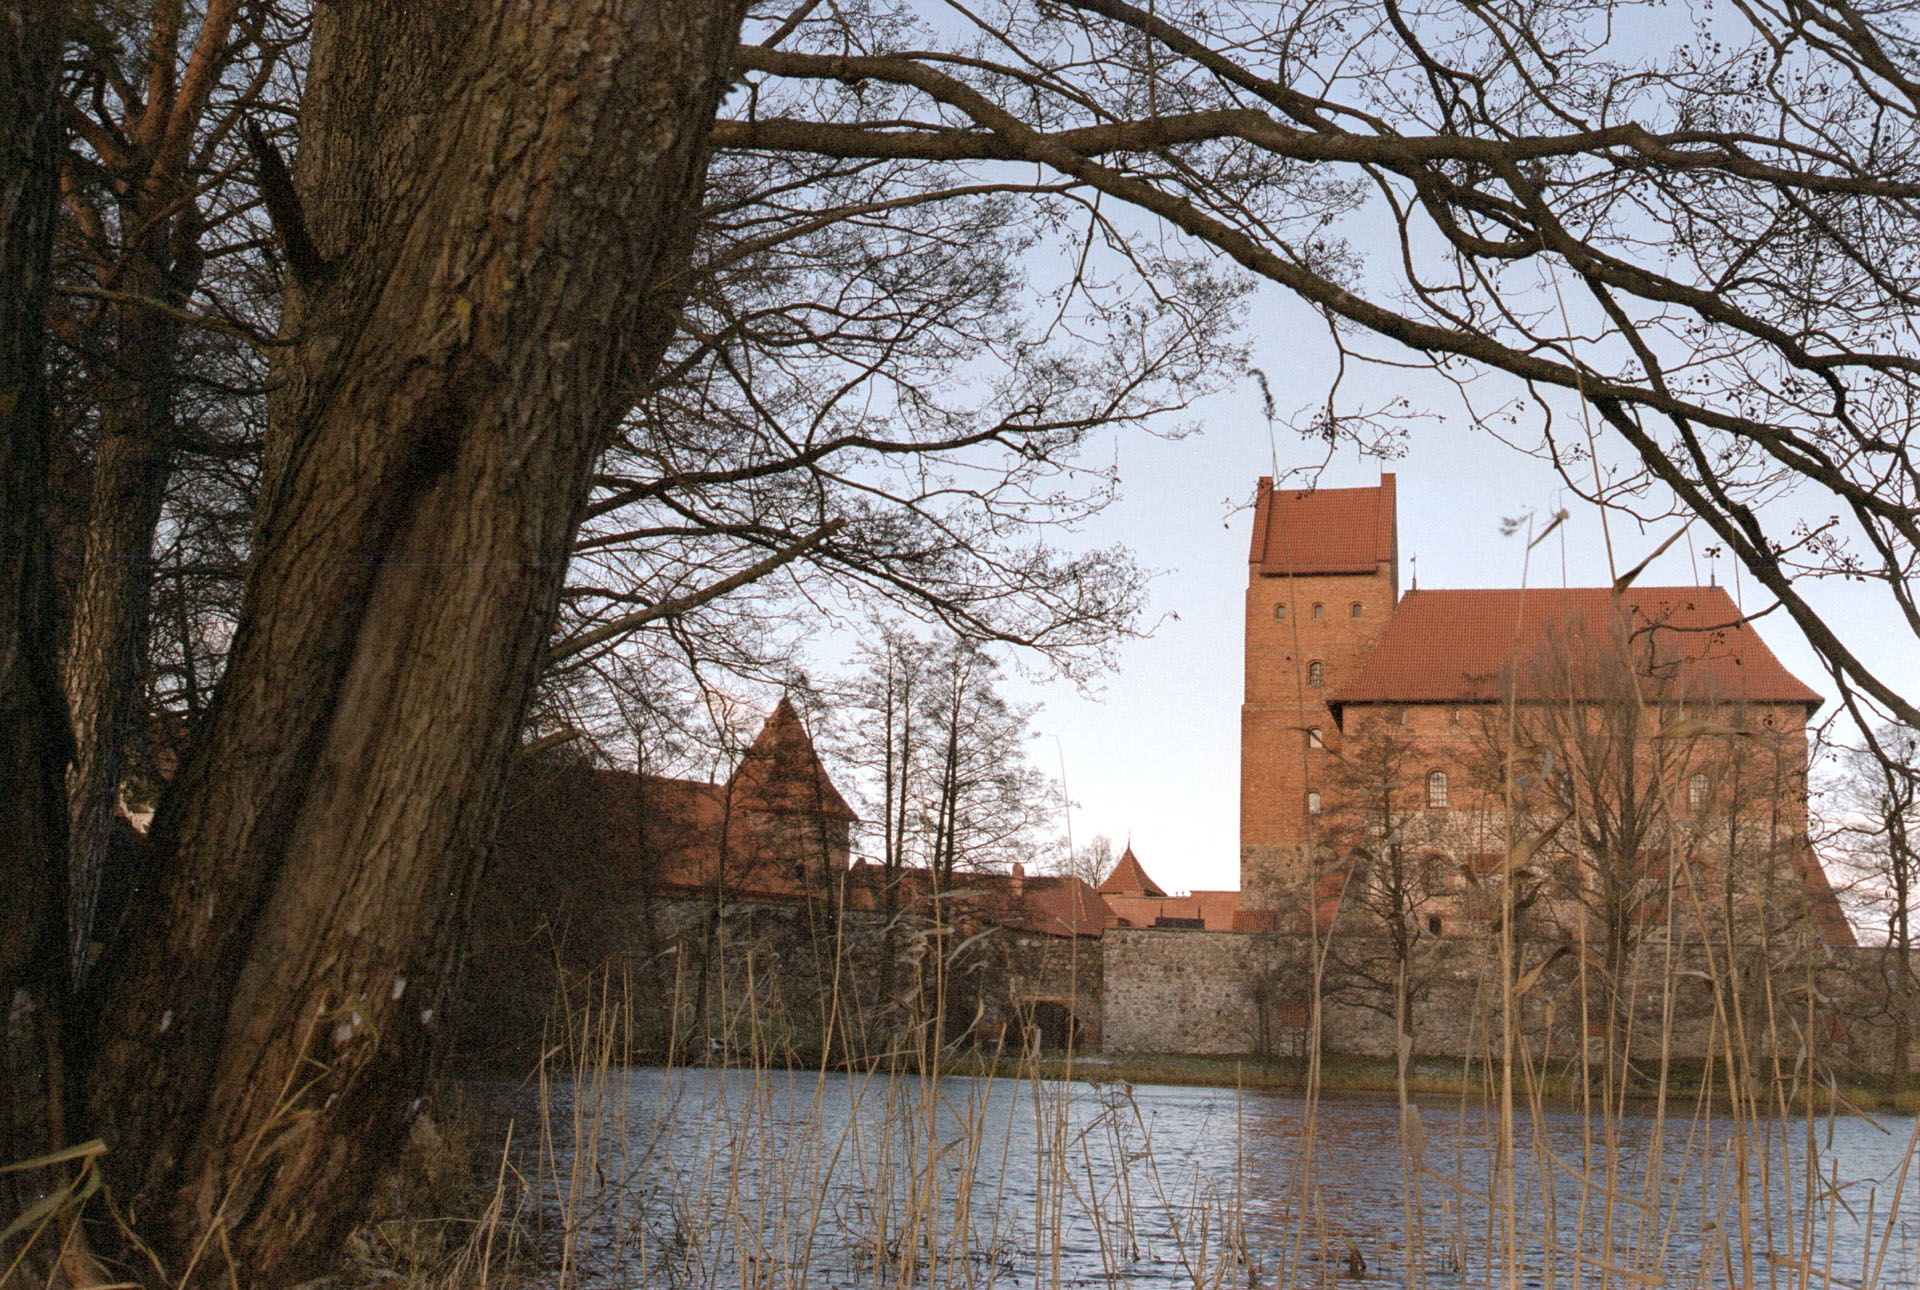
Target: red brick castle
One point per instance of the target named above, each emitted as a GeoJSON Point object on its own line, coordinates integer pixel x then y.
{"type": "Point", "coordinates": [1650, 737]}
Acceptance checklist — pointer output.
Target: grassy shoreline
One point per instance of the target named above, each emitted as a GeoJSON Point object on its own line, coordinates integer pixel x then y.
{"type": "Point", "coordinates": [1339, 1074]}
{"type": "Point", "coordinates": [1375, 1076]}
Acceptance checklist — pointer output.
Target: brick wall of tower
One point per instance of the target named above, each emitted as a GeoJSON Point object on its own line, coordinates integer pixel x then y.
{"type": "Point", "coordinates": [1293, 621]}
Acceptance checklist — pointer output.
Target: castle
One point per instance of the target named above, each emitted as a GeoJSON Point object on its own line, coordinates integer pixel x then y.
{"type": "Point", "coordinates": [1601, 769]}
{"type": "Point", "coordinates": [1644, 743]}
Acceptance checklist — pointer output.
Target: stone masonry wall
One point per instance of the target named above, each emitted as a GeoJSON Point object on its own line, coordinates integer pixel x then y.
{"type": "Point", "coordinates": [785, 980]}
{"type": "Point", "coordinates": [1226, 993]}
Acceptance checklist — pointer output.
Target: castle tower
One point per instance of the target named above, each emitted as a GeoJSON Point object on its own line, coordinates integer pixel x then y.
{"type": "Point", "coordinates": [791, 822]}
{"type": "Point", "coordinates": [1322, 582]}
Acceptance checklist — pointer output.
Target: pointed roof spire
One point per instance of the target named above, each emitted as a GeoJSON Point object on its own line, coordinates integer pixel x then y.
{"type": "Point", "coordinates": [1128, 878]}
{"type": "Point", "coordinates": [782, 772]}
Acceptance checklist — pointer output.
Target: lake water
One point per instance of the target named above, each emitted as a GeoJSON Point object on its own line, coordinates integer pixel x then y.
{"type": "Point", "coordinates": [709, 1178]}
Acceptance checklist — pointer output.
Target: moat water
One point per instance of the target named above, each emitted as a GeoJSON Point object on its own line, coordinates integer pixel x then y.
{"type": "Point", "coordinates": [704, 1178]}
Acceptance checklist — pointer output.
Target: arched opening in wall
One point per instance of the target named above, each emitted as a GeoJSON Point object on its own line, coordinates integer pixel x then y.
{"type": "Point", "coordinates": [1697, 793]}
{"type": "Point", "coordinates": [1315, 739]}
{"type": "Point", "coordinates": [1051, 1026]}
{"type": "Point", "coordinates": [1316, 673]}
{"type": "Point", "coordinates": [1436, 874]}
{"type": "Point", "coordinates": [1319, 611]}
{"type": "Point", "coordinates": [1280, 612]}
{"type": "Point", "coordinates": [1437, 790]}
{"type": "Point", "coordinates": [1313, 803]}
{"type": "Point", "coordinates": [1355, 610]}
{"type": "Point", "coordinates": [1434, 925]}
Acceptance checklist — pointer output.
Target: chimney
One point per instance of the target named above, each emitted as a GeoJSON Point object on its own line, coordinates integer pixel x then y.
{"type": "Point", "coordinates": [1019, 883]}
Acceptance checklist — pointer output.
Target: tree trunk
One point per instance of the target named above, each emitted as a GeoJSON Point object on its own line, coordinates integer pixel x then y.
{"type": "Point", "coordinates": [33, 739]}
{"type": "Point", "coordinates": [102, 667]}
{"type": "Point", "coordinates": [501, 194]}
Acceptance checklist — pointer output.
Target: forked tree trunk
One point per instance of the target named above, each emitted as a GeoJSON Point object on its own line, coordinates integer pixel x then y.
{"type": "Point", "coordinates": [499, 193]}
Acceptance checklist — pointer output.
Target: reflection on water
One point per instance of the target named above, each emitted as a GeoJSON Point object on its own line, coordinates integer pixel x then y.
{"type": "Point", "coordinates": [691, 1178]}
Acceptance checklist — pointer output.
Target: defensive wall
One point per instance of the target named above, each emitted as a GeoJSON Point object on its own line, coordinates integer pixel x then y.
{"type": "Point", "coordinates": [780, 980]}
{"type": "Point", "coordinates": [801, 979]}
{"type": "Point", "coordinates": [1229, 993]}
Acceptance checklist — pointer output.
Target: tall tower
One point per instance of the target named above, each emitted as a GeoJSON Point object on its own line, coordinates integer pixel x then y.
{"type": "Point", "coordinates": [1322, 582]}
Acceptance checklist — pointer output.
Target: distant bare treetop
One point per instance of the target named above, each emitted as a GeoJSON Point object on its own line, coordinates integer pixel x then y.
{"type": "Point", "coordinates": [1697, 224]}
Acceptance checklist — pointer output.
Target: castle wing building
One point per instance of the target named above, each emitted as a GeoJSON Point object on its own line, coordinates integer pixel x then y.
{"type": "Point", "coordinates": [1375, 724]}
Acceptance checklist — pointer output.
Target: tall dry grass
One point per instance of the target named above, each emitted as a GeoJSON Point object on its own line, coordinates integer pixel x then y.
{"type": "Point", "coordinates": [733, 1166]}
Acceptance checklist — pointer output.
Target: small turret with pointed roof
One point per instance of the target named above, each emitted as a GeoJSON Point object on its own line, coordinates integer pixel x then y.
{"type": "Point", "coordinates": [782, 773]}
{"type": "Point", "coordinates": [1129, 878]}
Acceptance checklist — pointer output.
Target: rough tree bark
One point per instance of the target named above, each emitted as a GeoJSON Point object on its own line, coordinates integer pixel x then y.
{"type": "Point", "coordinates": [498, 195]}
{"type": "Point", "coordinates": [32, 719]}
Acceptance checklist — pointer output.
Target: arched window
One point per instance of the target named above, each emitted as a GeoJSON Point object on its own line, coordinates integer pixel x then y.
{"type": "Point", "coordinates": [1434, 924]}
{"type": "Point", "coordinates": [1319, 611]}
{"type": "Point", "coordinates": [1436, 874]}
{"type": "Point", "coordinates": [1315, 739]}
{"type": "Point", "coordinates": [1354, 610]}
{"type": "Point", "coordinates": [1313, 803]}
{"type": "Point", "coordinates": [1697, 793]}
{"type": "Point", "coordinates": [1437, 790]}
{"type": "Point", "coordinates": [1280, 612]}
{"type": "Point", "coordinates": [1316, 673]}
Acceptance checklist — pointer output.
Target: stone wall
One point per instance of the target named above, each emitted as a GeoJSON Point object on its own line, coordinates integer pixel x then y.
{"type": "Point", "coordinates": [1227, 993]}
{"type": "Point", "coordinates": [789, 980]}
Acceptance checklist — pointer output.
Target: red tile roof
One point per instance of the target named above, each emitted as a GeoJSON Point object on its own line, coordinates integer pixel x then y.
{"type": "Point", "coordinates": [1128, 878]}
{"type": "Point", "coordinates": [1051, 906]}
{"type": "Point", "coordinates": [1454, 646]}
{"type": "Point", "coordinates": [1054, 906]}
{"type": "Point", "coordinates": [1323, 530]}
{"type": "Point", "coordinates": [781, 771]}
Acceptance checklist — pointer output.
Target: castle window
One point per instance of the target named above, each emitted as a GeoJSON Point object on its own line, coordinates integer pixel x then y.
{"type": "Point", "coordinates": [1433, 924]}
{"type": "Point", "coordinates": [1456, 716]}
{"type": "Point", "coordinates": [1313, 803]}
{"type": "Point", "coordinates": [1315, 739]}
{"type": "Point", "coordinates": [1316, 673]}
{"type": "Point", "coordinates": [1697, 793]}
{"type": "Point", "coordinates": [1437, 790]}
{"type": "Point", "coordinates": [1280, 612]}
{"type": "Point", "coordinates": [1354, 610]}
{"type": "Point", "coordinates": [1319, 611]}
{"type": "Point", "coordinates": [1436, 874]}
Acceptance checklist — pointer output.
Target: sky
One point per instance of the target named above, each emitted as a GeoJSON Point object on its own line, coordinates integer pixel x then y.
{"type": "Point", "coordinates": [1153, 756]}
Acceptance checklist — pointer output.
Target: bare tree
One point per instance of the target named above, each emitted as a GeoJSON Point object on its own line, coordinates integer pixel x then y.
{"type": "Point", "coordinates": [1377, 823]}
{"type": "Point", "coordinates": [1090, 862]}
{"type": "Point", "coordinates": [156, 103]}
{"type": "Point", "coordinates": [981, 800]}
{"type": "Point", "coordinates": [1586, 206]}
{"type": "Point", "coordinates": [1879, 817]}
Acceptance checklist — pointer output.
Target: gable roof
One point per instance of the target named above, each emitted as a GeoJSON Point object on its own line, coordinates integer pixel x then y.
{"type": "Point", "coordinates": [1051, 906]}
{"type": "Point", "coordinates": [1128, 878]}
{"type": "Point", "coordinates": [1456, 646]}
{"type": "Point", "coordinates": [782, 772]}
{"type": "Point", "coordinates": [1062, 906]}
{"type": "Point", "coordinates": [1323, 530]}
